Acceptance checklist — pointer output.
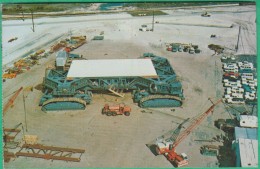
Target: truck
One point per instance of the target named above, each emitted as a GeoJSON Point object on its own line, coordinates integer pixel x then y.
{"type": "Point", "coordinates": [205, 14]}
{"type": "Point", "coordinates": [116, 110]}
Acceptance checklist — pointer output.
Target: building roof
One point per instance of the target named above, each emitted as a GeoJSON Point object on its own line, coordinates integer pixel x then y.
{"type": "Point", "coordinates": [112, 68]}
{"type": "Point", "coordinates": [246, 133]}
{"type": "Point", "coordinates": [248, 121]}
{"type": "Point", "coordinates": [248, 152]}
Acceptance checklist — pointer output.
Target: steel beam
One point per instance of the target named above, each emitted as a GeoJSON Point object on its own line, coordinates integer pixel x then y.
{"type": "Point", "coordinates": [50, 152]}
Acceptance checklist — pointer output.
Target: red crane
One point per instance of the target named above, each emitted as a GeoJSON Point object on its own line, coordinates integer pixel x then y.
{"type": "Point", "coordinates": [168, 149]}
{"type": "Point", "coordinates": [11, 100]}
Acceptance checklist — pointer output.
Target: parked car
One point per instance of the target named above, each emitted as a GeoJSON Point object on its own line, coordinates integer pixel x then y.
{"type": "Point", "coordinates": [235, 100]}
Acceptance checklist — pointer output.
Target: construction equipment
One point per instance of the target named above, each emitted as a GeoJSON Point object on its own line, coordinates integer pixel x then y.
{"type": "Point", "coordinates": [57, 47]}
{"type": "Point", "coordinates": [209, 150]}
{"type": "Point", "coordinates": [164, 90]}
{"type": "Point", "coordinates": [9, 75]}
{"type": "Point", "coordinates": [77, 41]}
{"type": "Point", "coordinates": [116, 110]}
{"type": "Point", "coordinates": [168, 147]}
{"type": "Point", "coordinates": [11, 100]}
{"type": "Point", "coordinates": [227, 125]}
{"type": "Point", "coordinates": [217, 48]}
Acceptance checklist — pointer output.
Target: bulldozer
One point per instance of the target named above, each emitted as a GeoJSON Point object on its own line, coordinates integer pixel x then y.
{"type": "Point", "coordinates": [116, 110]}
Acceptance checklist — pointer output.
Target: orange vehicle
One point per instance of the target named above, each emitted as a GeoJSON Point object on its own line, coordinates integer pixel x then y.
{"type": "Point", "coordinates": [9, 75]}
{"type": "Point", "coordinates": [116, 110]}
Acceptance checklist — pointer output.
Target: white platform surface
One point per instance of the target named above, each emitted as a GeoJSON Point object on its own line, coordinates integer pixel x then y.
{"type": "Point", "coordinates": [112, 68]}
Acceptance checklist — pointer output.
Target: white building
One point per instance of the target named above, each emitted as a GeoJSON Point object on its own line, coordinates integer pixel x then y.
{"type": "Point", "coordinates": [246, 147]}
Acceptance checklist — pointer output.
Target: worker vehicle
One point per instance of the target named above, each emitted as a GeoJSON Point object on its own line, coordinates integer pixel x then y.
{"type": "Point", "coordinates": [234, 95]}
{"type": "Point", "coordinates": [167, 146]}
{"type": "Point", "coordinates": [232, 84]}
{"type": "Point", "coordinates": [237, 90]}
{"type": "Point", "coordinates": [231, 74]}
{"type": "Point", "coordinates": [116, 110]}
{"type": "Point", "coordinates": [234, 100]}
{"type": "Point", "coordinates": [169, 48]}
{"type": "Point", "coordinates": [180, 48]}
{"type": "Point", "coordinates": [191, 50]}
{"type": "Point", "coordinates": [237, 95]}
{"type": "Point", "coordinates": [232, 78]}
{"type": "Point", "coordinates": [227, 96]}
{"type": "Point", "coordinates": [250, 66]}
{"type": "Point", "coordinates": [245, 65]}
{"type": "Point", "coordinates": [230, 65]}
{"type": "Point", "coordinates": [62, 93]}
{"type": "Point", "coordinates": [175, 47]}
{"type": "Point", "coordinates": [205, 14]}
{"type": "Point", "coordinates": [197, 50]}
{"type": "Point", "coordinates": [235, 70]}
{"type": "Point", "coordinates": [212, 36]}
{"type": "Point", "coordinates": [245, 71]}
{"type": "Point", "coordinates": [250, 96]}
{"type": "Point", "coordinates": [248, 76]}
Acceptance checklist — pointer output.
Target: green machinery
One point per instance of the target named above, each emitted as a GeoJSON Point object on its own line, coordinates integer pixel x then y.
{"type": "Point", "coordinates": [209, 150]}
{"type": "Point", "coordinates": [61, 93]}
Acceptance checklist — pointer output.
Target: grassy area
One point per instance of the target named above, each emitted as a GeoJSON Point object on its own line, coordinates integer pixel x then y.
{"type": "Point", "coordinates": [174, 4]}
{"type": "Point", "coordinates": [146, 12]}
{"type": "Point", "coordinates": [9, 9]}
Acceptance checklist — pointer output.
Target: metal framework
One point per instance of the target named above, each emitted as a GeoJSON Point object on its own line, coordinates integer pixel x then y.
{"type": "Point", "coordinates": [49, 152]}
{"type": "Point", "coordinates": [10, 134]}
{"type": "Point", "coordinates": [61, 92]}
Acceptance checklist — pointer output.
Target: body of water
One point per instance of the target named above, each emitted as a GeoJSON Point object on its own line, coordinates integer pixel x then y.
{"type": "Point", "coordinates": [109, 6]}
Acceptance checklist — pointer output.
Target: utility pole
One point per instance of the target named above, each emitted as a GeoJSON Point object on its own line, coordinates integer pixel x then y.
{"type": "Point", "coordinates": [32, 21]}
{"type": "Point", "coordinates": [153, 21]}
{"type": "Point", "coordinates": [19, 8]}
{"type": "Point", "coordinates": [238, 37]}
{"type": "Point", "coordinates": [25, 118]}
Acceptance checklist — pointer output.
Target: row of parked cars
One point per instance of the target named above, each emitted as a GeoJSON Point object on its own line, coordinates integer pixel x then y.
{"type": "Point", "coordinates": [240, 82]}
{"type": "Point", "coordinates": [179, 47]}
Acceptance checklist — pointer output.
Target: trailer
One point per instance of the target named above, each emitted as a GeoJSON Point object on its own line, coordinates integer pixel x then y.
{"type": "Point", "coordinates": [159, 87]}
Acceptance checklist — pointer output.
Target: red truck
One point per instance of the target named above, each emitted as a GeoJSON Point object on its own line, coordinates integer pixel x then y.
{"type": "Point", "coordinates": [116, 110]}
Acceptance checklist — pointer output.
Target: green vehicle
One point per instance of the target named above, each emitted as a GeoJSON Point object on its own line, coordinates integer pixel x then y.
{"type": "Point", "coordinates": [209, 150]}
{"type": "Point", "coordinates": [175, 48]}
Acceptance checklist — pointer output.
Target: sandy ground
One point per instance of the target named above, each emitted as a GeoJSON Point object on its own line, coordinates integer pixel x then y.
{"type": "Point", "coordinates": [121, 141]}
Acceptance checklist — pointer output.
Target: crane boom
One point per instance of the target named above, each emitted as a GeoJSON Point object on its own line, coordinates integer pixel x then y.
{"type": "Point", "coordinates": [196, 122]}
{"type": "Point", "coordinates": [11, 100]}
